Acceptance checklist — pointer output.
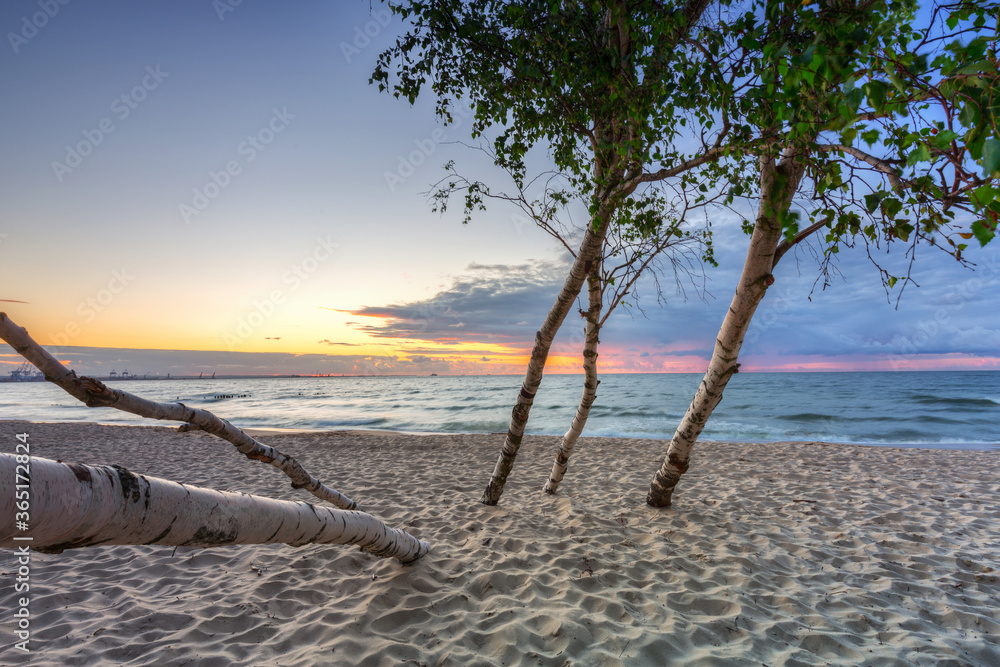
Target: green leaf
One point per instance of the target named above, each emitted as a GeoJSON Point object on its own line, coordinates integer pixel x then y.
{"type": "Point", "coordinates": [920, 154]}
{"type": "Point", "coordinates": [898, 82]}
{"type": "Point", "coordinates": [991, 157]}
{"type": "Point", "coordinates": [870, 137]}
{"type": "Point", "coordinates": [876, 90]}
{"type": "Point", "coordinates": [791, 230]}
{"type": "Point", "coordinates": [872, 201]}
{"type": "Point", "coordinates": [943, 139]}
{"type": "Point", "coordinates": [983, 233]}
{"type": "Point", "coordinates": [853, 99]}
{"type": "Point", "coordinates": [892, 281]}
{"type": "Point", "coordinates": [891, 206]}
{"type": "Point", "coordinates": [976, 68]}
{"type": "Point", "coordinates": [983, 195]}
{"type": "Point", "coordinates": [970, 115]}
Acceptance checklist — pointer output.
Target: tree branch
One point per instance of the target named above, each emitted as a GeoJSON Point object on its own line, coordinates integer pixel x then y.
{"type": "Point", "coordinates": [785, 245]}
{"type": "Point", "coordinates": [94, 394]}
{"type": "Point", "coordinates": [883, 166]}
{"type": "Point", "coordinates": [710, 155]}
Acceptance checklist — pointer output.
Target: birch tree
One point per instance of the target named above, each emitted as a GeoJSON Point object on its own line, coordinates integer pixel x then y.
{"type": "Point", "coordinates": [891, 125]}
{"type": "Point", "coordinates": [585, 80]}
{"type": "Point", "coordinates": [75, 505]}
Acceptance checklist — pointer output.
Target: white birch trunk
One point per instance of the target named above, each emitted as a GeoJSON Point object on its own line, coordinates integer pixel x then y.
{"type": "Point", "coordinates": [71, 506]}
{"type": "Point", "coordinates": [94, 393]}
{"type": "Point", "coordinates": [588, 255]}
{"type": "Point", "coordinates": [590, 382]}
{"type": "Point", "coordinates": [778, 184]}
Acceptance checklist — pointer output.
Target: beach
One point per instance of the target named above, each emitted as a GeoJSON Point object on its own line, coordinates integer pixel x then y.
{"type": "Point", "coordinates": [796, 553]}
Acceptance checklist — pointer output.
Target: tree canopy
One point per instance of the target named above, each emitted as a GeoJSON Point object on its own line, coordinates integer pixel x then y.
{"type": "Point", "coordinates": [892, 106]}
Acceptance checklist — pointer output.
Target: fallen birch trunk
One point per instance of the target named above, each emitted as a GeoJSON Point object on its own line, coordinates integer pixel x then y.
{"type": "Point", "coordinates": [71, 506]}
{"type": "Point", "coordinates": [95, 394]}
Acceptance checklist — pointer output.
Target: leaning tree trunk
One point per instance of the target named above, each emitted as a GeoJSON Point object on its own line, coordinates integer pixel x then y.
{"type": "Point", "coordinates": [70, 506]}
{"type": "Point", "coordinates": [590, 381]}
{"type": "Point", "coordinates": [778, 184]}
{"type": "Point", "coordinates": [94, 393]}
{"type": "Point", "coordinates": [587, 257]}
{"type": "Point", "coordinates": [606, 165]}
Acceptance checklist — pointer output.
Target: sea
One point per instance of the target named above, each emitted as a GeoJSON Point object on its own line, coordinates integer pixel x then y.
{"type": "Point", "coordinates": [940, 409]}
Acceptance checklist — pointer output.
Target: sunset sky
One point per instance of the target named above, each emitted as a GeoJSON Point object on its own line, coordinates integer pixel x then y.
{"type": "Point", "coordinates": [186, 189]}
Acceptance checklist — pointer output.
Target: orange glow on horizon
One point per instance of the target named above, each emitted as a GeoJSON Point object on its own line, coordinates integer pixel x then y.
{"type": "Point", "coordinates": [317, 331]}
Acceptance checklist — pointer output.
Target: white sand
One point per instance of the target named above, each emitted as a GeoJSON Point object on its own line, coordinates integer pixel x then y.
{"type": "Point", "coordinates": [789, 554]}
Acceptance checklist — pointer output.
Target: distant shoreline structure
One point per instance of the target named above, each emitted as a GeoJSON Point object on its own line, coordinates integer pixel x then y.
{"type": "Point", "coordinates": [24, 373]}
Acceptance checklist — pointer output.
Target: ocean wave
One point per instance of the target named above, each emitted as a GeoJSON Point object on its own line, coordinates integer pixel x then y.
{"type": "Point", "coordinates": [926, 399]}
{"type": "Point", "coordinates": [346, 423]}
{"type": "Point", "coordinates": [923, 419]}
{"type": "Point", "coordinates": [930, 419]}
{"type": "Point", "coordinates": [642, 413]}
{"type": "Point", "coordinates": [810, 417]}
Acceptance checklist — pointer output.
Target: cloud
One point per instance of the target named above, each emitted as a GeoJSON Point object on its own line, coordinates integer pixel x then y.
{"type": "Point", "coordinates": [486, 304]}
{"type": "Point", "coordinates": [12, 301]}
{"type": "Point", "coordinates": [421, 359]}
{"type": "Point", "coordinates": [851, 319]}
{"type": "Point", "coordinates": [431, 351]}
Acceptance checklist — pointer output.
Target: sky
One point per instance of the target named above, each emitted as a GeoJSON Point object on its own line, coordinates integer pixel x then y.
{"type": "Point", "coordinates": [197, 186]}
